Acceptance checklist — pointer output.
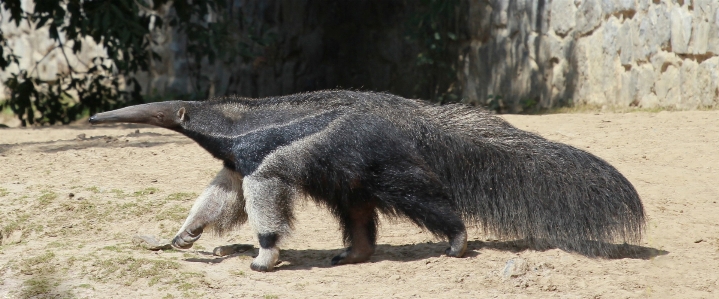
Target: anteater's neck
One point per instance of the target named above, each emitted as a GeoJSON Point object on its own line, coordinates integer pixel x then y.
{"type": "Point", "coordinates": [219, 146]}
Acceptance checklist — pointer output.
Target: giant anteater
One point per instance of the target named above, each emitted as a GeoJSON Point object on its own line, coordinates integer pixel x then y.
{"type": "Point", "coordinates": [364, 153]}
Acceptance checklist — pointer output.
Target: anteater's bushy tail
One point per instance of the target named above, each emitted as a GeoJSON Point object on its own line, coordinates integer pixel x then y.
{"type": "Point", "coordinates": [518, 185]}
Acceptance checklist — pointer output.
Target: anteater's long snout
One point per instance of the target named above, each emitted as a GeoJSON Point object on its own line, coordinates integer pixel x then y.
{"type": "Point", "coordinates": [132, 114]}
{"type": "Point", "coordinates": [163, 114]}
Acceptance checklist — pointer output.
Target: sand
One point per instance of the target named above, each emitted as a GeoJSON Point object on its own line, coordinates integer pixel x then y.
{"type": "Point", "coordinates": [73, 197]}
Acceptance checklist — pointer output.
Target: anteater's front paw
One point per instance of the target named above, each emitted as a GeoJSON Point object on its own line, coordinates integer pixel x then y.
{"type": "Point", "coordinates": [179, 243]}
{"type": "Point", "coordinates": [260, 268]}
{"type": "Point", "coordinates": [185, 239]}
{"type": "Point", "coordinates": [266, 260]}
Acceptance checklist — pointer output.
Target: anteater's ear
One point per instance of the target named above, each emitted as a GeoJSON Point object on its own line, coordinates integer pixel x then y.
{"type": "Point", "coordinates": [181, 114]}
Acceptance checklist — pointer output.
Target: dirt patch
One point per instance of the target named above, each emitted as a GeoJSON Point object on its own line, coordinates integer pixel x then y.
{"type": "Point", "coordinates": [73, 198]}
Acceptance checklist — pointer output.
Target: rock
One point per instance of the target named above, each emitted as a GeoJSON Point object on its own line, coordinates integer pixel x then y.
{"type": "Point", "coordinates": [625, 5]}
{"type": "Point", "coordinates": [612, 7]}
{"type": "Point", "coordinates": [709, 82]}
{"type": "Point", "coordinates": [666, 87]}
{"type": "Point", "coordinates": [655, 29]}
{"type": "Point", "coordinates": [628, 91]}
{"type": "Point", "coordinates": [689, 85]}
{"type": "Point", "coordinates": [644, 75]}
{"type": "Point", "coordinates": [151, 243]}
{"type": "Point", "coordinates": [480, 20]}
{"type": "Point", "coordinates": [662, 60]}
{"type": "Point", "coordinates": [589, 16]}
{"type": "Point", "coordinates": [649, 101]}
{"type": "Point", "coordinates": [608, 6]}
{"type": "Point", "coordinates": [563, 16]}
{"type": "Point", "coordinates": [611, 31]}
{"type": "Point", "coordinates": [539, 17]}
{"type": "Point", "coordinates": [713, 43]}
{"type": "Point", "coordinates": [626, 45]}
{"type": "Point", "coordinates": [501, 7]}
{"type": "Point", "coordinates": [556, 46]}
{"type": "Point", "coordinates": [681, 29]}
{"type": "Point", "coordinates": [515, 267]}
{"type": "Point", "coordinates": [700, 38]}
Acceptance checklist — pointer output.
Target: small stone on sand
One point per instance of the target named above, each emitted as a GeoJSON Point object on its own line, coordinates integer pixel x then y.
{"type": "Point", "coordinates": [151, 243]}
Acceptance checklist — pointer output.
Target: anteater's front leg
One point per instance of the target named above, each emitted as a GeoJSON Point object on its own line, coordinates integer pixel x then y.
{"type": "Point", "coordinates": [220, 206]}
{"type": "Point", "coordinates": [269, 210]}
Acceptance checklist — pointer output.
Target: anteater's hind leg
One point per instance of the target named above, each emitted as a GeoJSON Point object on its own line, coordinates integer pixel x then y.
{"type": "Point", "coordinates": [269, 209]}
{"type": "Point", "coordinates": [441, 220]}
{"type": "Point", "coordinates": [221, 205]}
{"type": "Point", "coordinates": [359, 226]}
{"type": "Point", "coordinates": [416, 193]}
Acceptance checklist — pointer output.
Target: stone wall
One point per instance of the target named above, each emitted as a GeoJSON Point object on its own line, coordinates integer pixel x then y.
{"type": "Point", "coordinates": [317, 45]}
{"type": "Point", "coordinates": [645, 53]}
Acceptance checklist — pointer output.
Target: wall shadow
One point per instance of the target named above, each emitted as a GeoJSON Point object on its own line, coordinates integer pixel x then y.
{"type": "Point", "coordinates": [99, 141]}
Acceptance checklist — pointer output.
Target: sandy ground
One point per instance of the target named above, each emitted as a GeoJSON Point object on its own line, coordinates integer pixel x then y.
{"type": "Point", "coordinates": [73, 197]}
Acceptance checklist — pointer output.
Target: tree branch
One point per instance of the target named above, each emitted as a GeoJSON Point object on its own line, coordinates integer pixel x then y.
{"type": "Point", "coordinates": [41, 59]}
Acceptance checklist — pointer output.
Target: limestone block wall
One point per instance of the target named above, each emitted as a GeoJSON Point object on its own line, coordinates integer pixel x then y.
{"type": "Point", "coordinates": [646, 53]}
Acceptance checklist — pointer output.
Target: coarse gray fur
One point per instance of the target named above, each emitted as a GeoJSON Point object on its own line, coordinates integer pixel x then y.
{"type": "Point", "coordinates": [364, 153]}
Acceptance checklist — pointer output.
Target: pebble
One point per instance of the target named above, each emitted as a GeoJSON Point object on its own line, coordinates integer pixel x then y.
{"type": "Point", "coordinates": [515, 267]}
{"type": "Point", "coordinates": [151, 243]}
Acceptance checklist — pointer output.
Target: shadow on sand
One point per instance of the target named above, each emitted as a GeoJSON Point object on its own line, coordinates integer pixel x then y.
{"type": "Point", "coordinates": [293, 259]}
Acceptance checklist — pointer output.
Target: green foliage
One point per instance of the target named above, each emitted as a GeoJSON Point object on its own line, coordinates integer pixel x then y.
{"type": "Point", "coordinates": [529, 105]}
{"type": "Point", "coordinates": [434, 27]}
{"type": "Point", "coordinates": [495, 103]}
{"type": "Point", "coordinates": [116, 25]}
{"type": "Point", "coordinates": [124, 28]}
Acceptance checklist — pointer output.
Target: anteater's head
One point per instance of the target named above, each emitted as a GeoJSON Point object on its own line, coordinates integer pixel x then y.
{"type": "Point", "coordinates": [169, 115]}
